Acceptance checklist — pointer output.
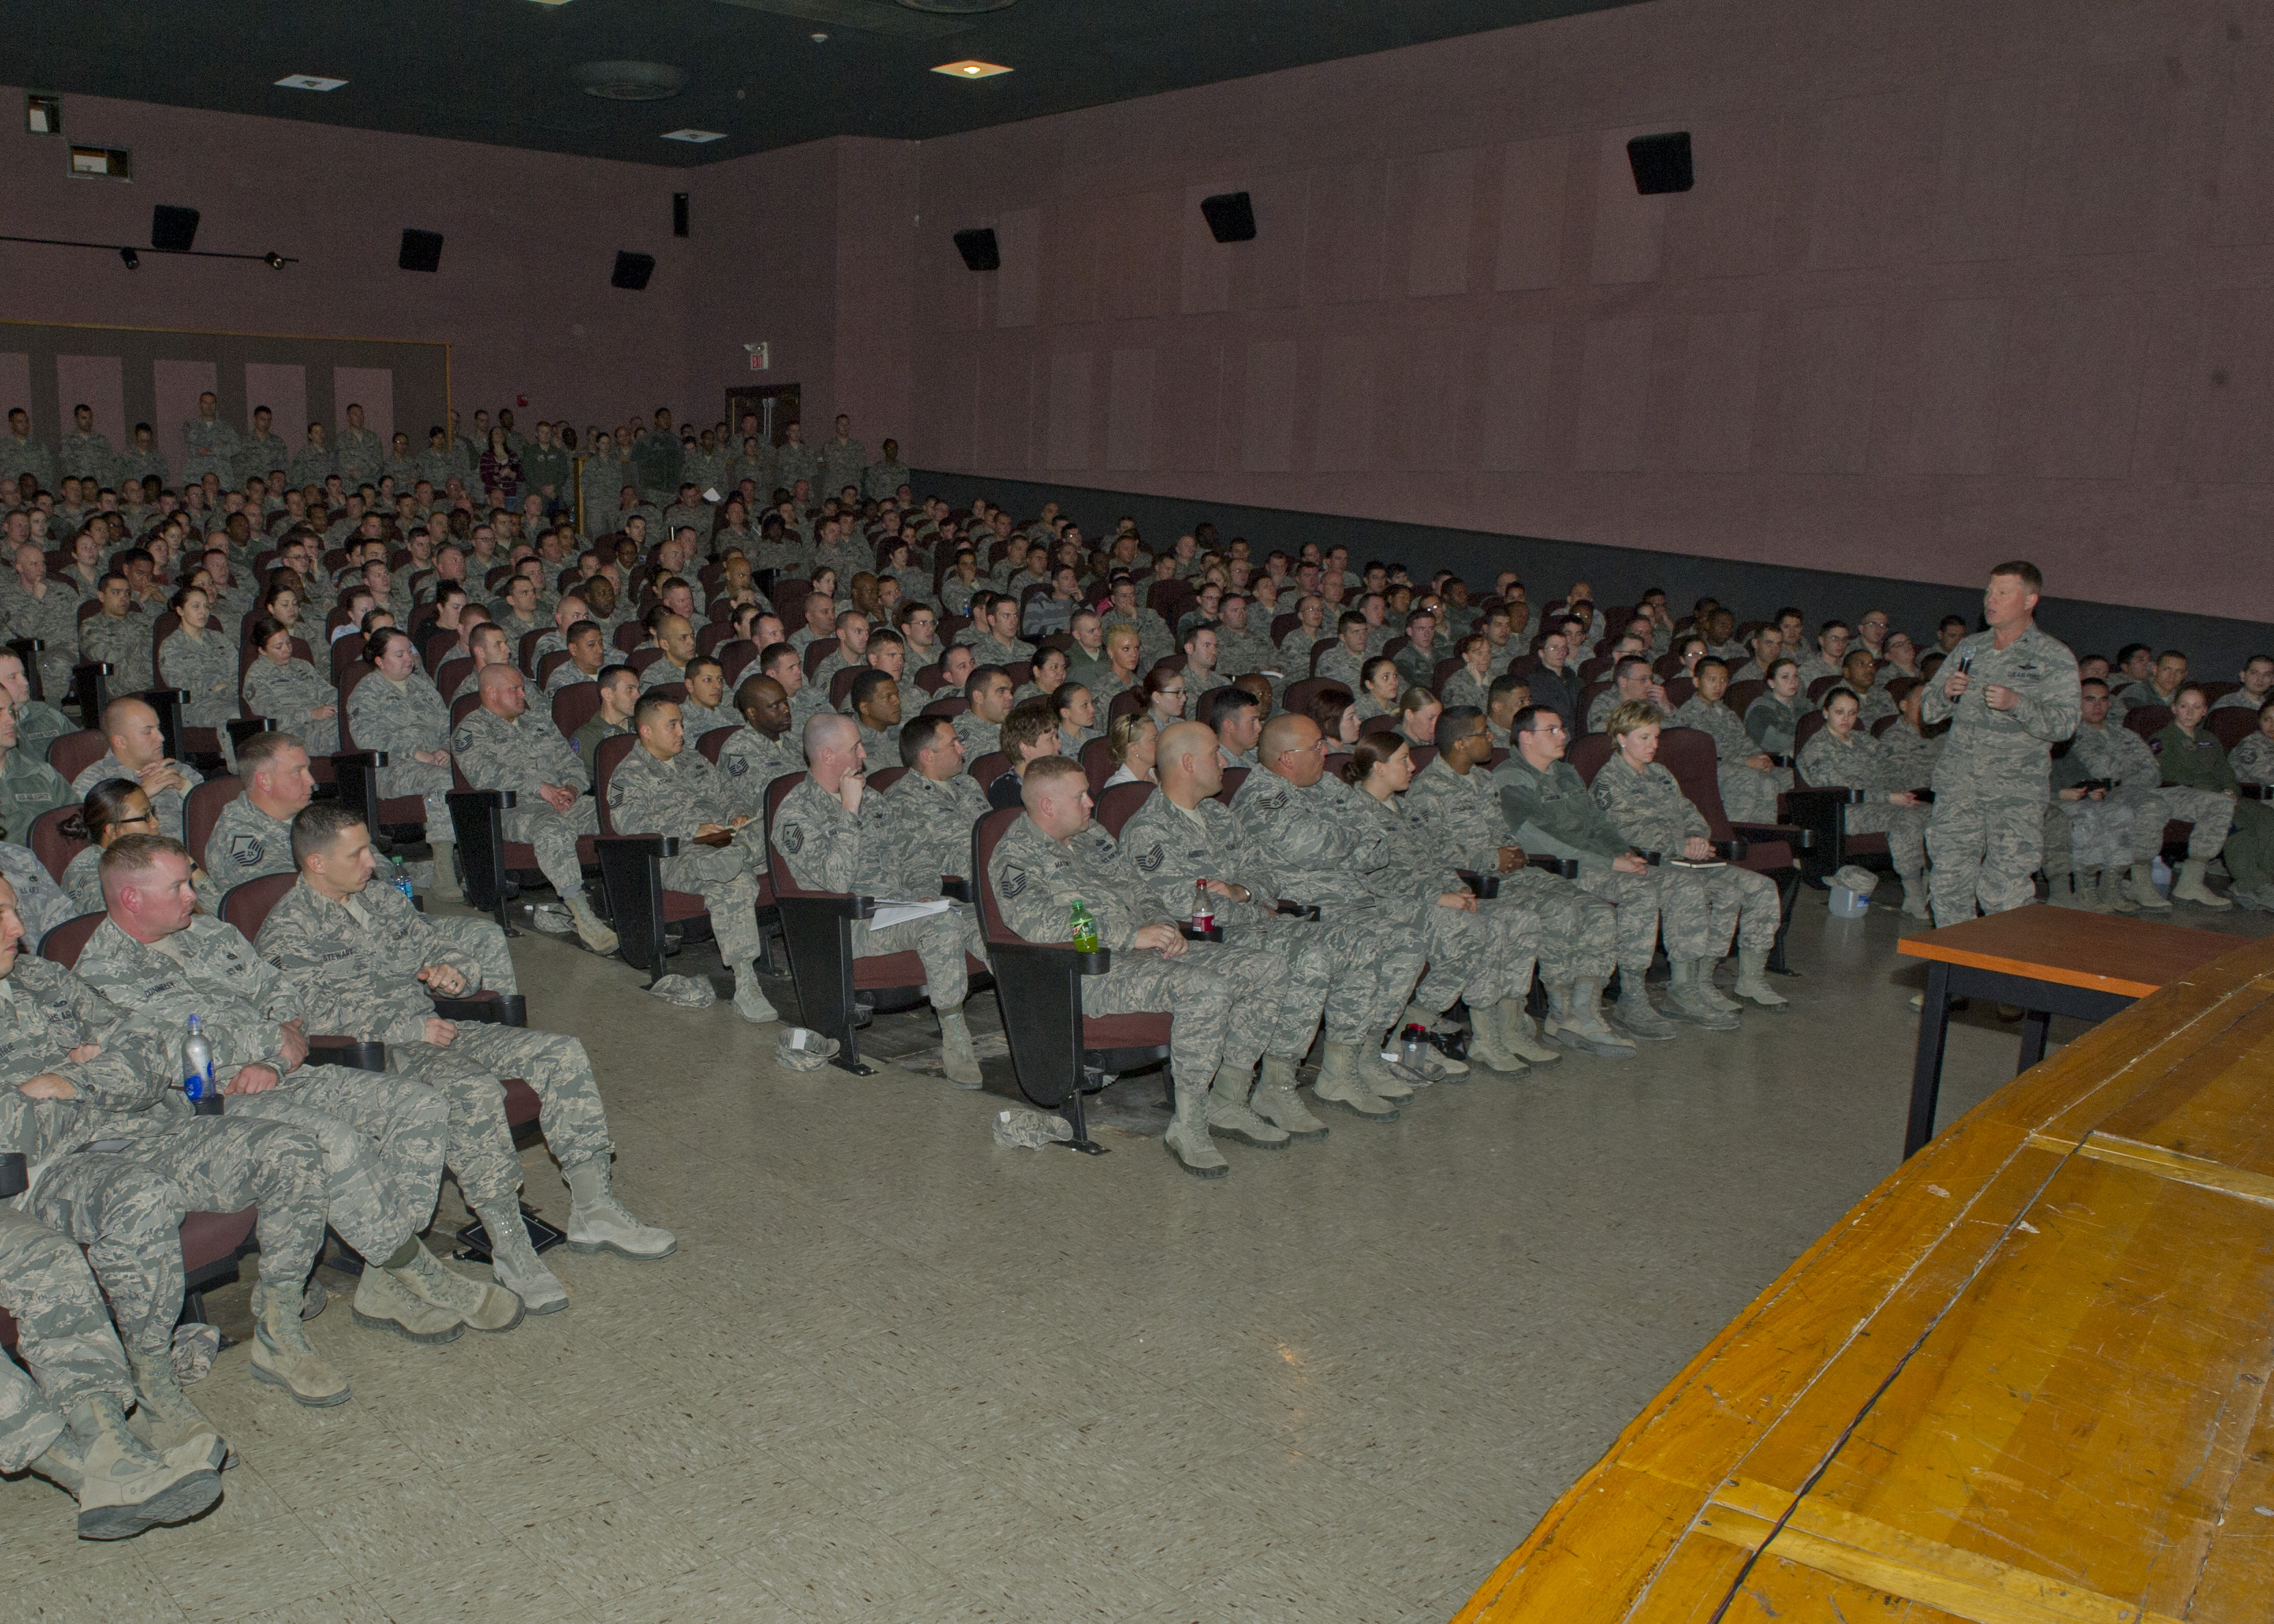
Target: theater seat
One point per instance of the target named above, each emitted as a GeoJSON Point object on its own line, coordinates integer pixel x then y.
{"type": "Point", "coordinates": [640, 906]}
{"type": "Point", "coordinates": [1057, 1053]}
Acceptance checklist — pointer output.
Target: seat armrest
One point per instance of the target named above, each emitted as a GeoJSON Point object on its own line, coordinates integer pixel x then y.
{"type": "Point", "coordinates": [1834, 796]}
{"type": "Point", "coordinates": [665, 845]}
{"type": "Point", "coordinates": [490, 1008]}
{"type": "Point", "coordinates": [365, 1055]}
{"type": "Point", "coordinates": [1485, 886]}
{"type": "Point", "coordinates": [14, 1177]}
{"type": "Point", "coordinates": [360, 758]}
{"type": "Point", "coordinates": [503, 799]}
{"type": "Point", "coordinates": [1730, 851]}
{"type": "Point", "coordinates": [2257, 792]}
{"type": "Point", "coordinates": [1760, 834]}
{"type": "Point", "coordinates": [1194, 933]}
{"type": "Point", "coordinates": [1057, 953]}
{"type": "Point", "coordinates": [1566, 867]}
{"type": "Point", "coordinates": [27, 645]}
{"type": "Point", "coordinates": [1298, 910]}
{"type": "Point", "coordinates": [955, 886]}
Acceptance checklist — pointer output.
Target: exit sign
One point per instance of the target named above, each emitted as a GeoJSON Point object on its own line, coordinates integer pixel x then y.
{"type": "Point", "coordinates": [761, 357]}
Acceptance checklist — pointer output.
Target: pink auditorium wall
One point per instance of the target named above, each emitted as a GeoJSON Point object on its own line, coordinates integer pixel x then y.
{"type": "Point", "coordinates": [1959, 280]}
{"type": "Point", "coordinates": [522, 294]}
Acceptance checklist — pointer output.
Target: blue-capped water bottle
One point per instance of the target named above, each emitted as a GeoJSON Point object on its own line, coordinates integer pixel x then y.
{"type": "Point", "coordinates": [403, 880]}
{"type": "Point", "coordinates": [198, 1070]}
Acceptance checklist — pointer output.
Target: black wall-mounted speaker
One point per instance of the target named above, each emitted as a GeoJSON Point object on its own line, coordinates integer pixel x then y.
{"type": "Point", "coordinates": [632, 271]}
{"type": "Point", "coordinates": [979, 250]}
{"type": "Point", "coordinates": [173, 229]}
{"type": "Point", "coordinates": [1661, 162]}
{"type": "Point", "coordinates": [421, 251]}
{"type": "Point", "coordinates": [1231, 217]}
{"type": "Point", "coordinates": [679, 214]}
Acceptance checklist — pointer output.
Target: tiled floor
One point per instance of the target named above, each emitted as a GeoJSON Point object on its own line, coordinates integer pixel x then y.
{"type": "Point", "coordinates": [896, 1373]}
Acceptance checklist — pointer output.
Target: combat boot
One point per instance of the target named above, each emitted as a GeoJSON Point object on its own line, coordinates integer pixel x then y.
{"type": "Point", "coordinates": [2189, 886]}
{"type": "Point", "coordinates": [956, 1058]}
{"type": "Point", "coordinates": [594, 935]}
{"type": "Point", "coordinates": [1228, 1113]}
{"type": "Point", "coordinates": [1187, 1138]}
{"type": "Point", "coordinates": [750, 1000]}
{"type": "Point", "coordinates": [169, 1418]}
{"type": "Point", "coordinates": [381, 1303]}
{"type": "Point", "coordinates": [1381, 1079]}
{"type": "Point", "coordinates": [1914, 904]}
{"type": "Point", "coordinates": [1486, 1044]}
{"type": "Point", "coordinates": [2062, 891]}
{"type": "Point", "coordinates": [1575, 1019]}
{"type": "Point", "coordinates": [1637, 1016]}
{"type": "Point", "coordinates": [1275, 1100]}
{"type": "Point", "coordinates": [282, 1356]}
{"type": "Point", "coordinates": [2111, 891]}
{"type": "Point", "coordinates": [1751, 963]}
{"type": "Point", "coordinates": [1683, 1001]}
{"type": "Point", "coordinates": [513, 1262]}
{"type": "Point", "coordinates": [1517, 1035]}
{"type": "Point", "coordinates": [447, 888]}
{"type": "Point", "coordinates": [597, 1221]}
{"type": "Point", "coordinates": [123, 1485]}
{"type": "Point", "coordinates": [1711, 992]}
{"type": "Point", "coordinates": [1340, 1085]}
{"type": "Point", "coordinates": [2087, 882]}
{"type": "Point", "coordinates": [2142, 888]}
{"type": "Point", "coordinates": [478, 1307]}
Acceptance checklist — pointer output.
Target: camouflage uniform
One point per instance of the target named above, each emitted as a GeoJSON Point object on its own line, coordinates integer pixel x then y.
{"type": "Point", "coordinates": [1550, 813]}
{"type": "Point", "coordinates": [1154, 640]}
{"type": "Point", "coordinates": [123, 644]}
{"type": "Point", "coordinates": [990, 651]}
{"type": "Point", "coordinates": [2253, 760]}
{"type": "Point", "coordinates": [88, 455]}
{"type": "Point", "coordinates": [523, 756]}
{"type": "Point", "coordinates": [205, 668]}
{"type": "Point", "coordinates": [1339, 664]}
{"type": "Point", "coordinates": [28, 787]}
{"type": "Point", "coordinates": [827, 848]}
{"type": "Point", "coordinates": [935, 820]}
{"type": "Point", "coordinates": [166, 803]}
{"type": "Point", "coordinates": [795, 460]}
{"type": "Point", "coordinates": [661, 672]}
{"type": "Point", "coordinates": [265, 454]}
{"type": "Point", "coordinates": [651, 796]}
{"type": "Point", "coordinates": [213, 447]}
{"type": "Point", "coordinates": [287, 695]}
{"type": "Point", "coordinates": [400, 718]}
{"type": "Point", "coordinates": [1036, 881]}
{"type": "Point", "coordinates": [246, 843]}
{"type": "Point", "coordinates": [354, 966]}
{"type": "Point", "coordinates": [63, 1337]}
{"type": "Point", "coordinates": [361, 456]}
{"type": "Point", "coordinates": [749, 761]}
{"type": "Point", "coordinates": [2112, 752]}
{"type": "Point", "coordinates": [1330, 969]}
{"type": "Point", "coordinates": [82, 884]}
{"type": "Point", "coordinates": [601, 484]}
{"type": "Point", "coordinates": [1578, 933]}
{"type": "Point", "coordinates": [1463, 688]}
{"type": "Point", "coordinates": [39, 899]}
{"type": "Point", "coordinates": [1862, 763]}
{"type": "Point", "coordinates": [1987, 828]}
{"type": "Point", "coordinates": [1748, 794]}
{"type": "Point", "coordinates": [980, 737]}
{"type": "Point", "coordinates": [843, 461]}
{"type": "Point", "coordinates": [1698, 909]}
{"type": "Point", "coordinates": [120, 1184]}
{"type": "Point", "coordinates": [28, 455]}
{"type": "Point", "coordinates": [52, 619]}
{"type": "Point", "coordinates": [1480, 958]}
{"type": "Point", "coordinates": [884, 479]}
{"type": "Point", "coordinates": [1318, 850]}
{"type": "Point", "coordinates": [381, 1138]}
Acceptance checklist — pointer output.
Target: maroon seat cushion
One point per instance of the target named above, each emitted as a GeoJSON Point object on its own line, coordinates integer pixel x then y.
{"type": "Point", "coordinates": [1144, 1030]}
{"type": "Point", "coordinates": [521, 1104]}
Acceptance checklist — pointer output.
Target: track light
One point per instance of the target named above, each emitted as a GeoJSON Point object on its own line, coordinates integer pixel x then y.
{"type": "Point", "coordinates": [274, 260]}
{"type": "Point", "coordinates": [133, 260]}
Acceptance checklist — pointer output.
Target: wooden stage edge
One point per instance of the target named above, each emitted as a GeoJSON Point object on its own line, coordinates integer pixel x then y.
{"type": "Point", "coordinates": [2022, 1381]}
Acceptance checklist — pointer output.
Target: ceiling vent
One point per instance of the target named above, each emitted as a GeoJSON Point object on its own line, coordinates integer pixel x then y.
{"type": "Point", "coordinates": [630, 81]}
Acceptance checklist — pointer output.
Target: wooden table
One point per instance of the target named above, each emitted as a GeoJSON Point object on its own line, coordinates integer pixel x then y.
{"type": "Point", "coordinates": [2050, 961]}
{"type": "Point", "coordinates": [2024, 1381]}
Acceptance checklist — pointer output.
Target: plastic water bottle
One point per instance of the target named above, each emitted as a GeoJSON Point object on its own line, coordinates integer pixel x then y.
{"type": "Point", "coordinates": [1203, 910]}
{"type": "Point", "coordinates": [1085, 928]}
{"type": "Point", "coordinates": [401, 876]}
{"type": "Point", "coordinates": [196, 1068]}
{"type": "Point", "coordinates": [1413, 1046]}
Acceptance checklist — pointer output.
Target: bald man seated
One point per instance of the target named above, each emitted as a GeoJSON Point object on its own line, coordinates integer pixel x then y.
{"type": "Point", "coordinates": [1052, 858]}
{"type": "Point", "coordinates": [498, 748]}
{"type": "Point", "coordinates": [834, 836]}
{"type": "Point", "coordinates": [137, 754]}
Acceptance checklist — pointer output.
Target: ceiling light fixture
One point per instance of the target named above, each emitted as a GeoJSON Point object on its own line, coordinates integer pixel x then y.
{"type": "Point", "coordinates": [133, 260]}
{"type": "Point", "coordinates": [308, 81]}
{"type": "Point", "coordinates": [695, 137]}
{"type": "Point", "coordinates": [630, 81]}
{"type": "Point", "coordinates": [971, 68]}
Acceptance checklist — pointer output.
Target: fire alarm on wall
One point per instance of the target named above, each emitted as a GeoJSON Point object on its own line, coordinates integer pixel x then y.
{"type": "Point", "coordinates": [761, 357]}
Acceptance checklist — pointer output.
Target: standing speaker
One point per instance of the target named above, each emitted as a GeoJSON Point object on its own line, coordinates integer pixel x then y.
{"type": "Point", "coordinates": [1661, 162]}
{"type": "Point", "coordinates": [173, 229]}
{"type": "Point", "coordinates": [979, 250]}
{"type": "Point", "coordinates": [1231, 217]}
{"type": "Point", "coordinates": [679, 214]}
{"type": "Point", "coordinates": [632, 271]}
{"type": "Point", "coordinates": [421, 251]}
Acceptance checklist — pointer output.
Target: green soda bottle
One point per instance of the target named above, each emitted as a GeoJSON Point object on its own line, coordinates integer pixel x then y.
{"type": "Point", "coordinates": [1085, 928]}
